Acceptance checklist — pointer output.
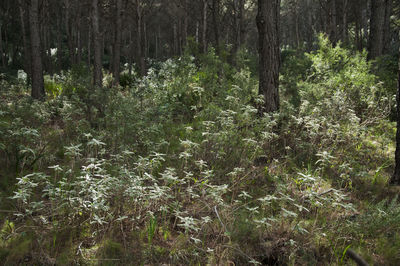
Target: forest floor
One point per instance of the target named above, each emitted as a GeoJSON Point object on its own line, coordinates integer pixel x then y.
{"type": "Point", "coordinates": [180, 168]}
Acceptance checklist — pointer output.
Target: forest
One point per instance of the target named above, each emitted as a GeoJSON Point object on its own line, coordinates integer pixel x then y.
{"type": "Point", "coordinates": [199, 132]}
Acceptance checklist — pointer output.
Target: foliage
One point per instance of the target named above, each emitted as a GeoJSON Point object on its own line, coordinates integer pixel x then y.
{"type": "Point", "coordinates": [179, 166]}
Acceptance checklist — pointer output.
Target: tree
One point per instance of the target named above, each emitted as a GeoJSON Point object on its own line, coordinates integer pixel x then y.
{"type": "Point", "coordinates": [97, 65]}
{"type": "Point", "coordinates": [375, 45]}
{"type": "Point", "coordinates": [37, 68]}
{"type": "Point", "coordinates": [269, 54]}
{"type": "Point", "coordinates": [117, 44]}
{"type": "Point", "coordinates": [396, 176]}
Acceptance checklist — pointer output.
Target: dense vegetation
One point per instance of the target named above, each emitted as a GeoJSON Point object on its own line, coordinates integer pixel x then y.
{"type": "Point", "coordinates": [179, 167]}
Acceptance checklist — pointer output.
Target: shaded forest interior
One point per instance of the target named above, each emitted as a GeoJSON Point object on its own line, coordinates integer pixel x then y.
{"type": "Point", "coordinates": [199, 132]}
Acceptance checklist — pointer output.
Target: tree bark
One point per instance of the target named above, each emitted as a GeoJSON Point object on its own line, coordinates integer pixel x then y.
{"type": "Point", "coordinates": [117, 43]}
{"type": "Point", "coordinates": [97, 65]}
{"type": "Point", "coordinates": [215, 16]}
{"type": "Point", "coordinates": [204, 39]}
{"type": "Point", "coordinates": [344, 22]}
{"type": "Point", "coordinates": [68, 29]}
{"type": "Point", "coordinates": [333, 21]}
{"type": "Point", "coordinates": [395, 180]}
{"type": "Point", "coordinates": [386, 26]}
{"type": "Point", "coordinates": [3, 59]}
{"type": "Point", "coordinates": [37, 67]}
{"type": "Point", "coordinates": [269, 54]}
{"type": "Point", "coordinates": [139, 39]}
{"type": "Point", "coordinates": [375, 45]}
{"type": "Point", "coordinates": [27, 57]}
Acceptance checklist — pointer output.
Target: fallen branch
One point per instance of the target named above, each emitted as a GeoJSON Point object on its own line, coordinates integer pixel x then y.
{"type": "Point", "coordinates": [357, 258]}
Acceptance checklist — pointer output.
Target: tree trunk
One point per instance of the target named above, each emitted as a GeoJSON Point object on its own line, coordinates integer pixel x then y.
{"type": "Point", "coordinates": [3, 59]}
{"type": "Point", "coordinates": [344, 22]}
{"type": "Point", "coordinates": [175, 39]}
{"type": "Point", "coordinates": [215, 16]}
{"type": "Point", "coordinates": [375, 45]}
{"type": "Point", "coordinates": [117, 44]}
{"type": "Point", "coordinates": [269, 54]}
{"type": "Point", "coordinates": [89, 39]}
{"type": "Point", "coordinates": [386, 26]}
{"type": "Point", "coordinates": [97, 65]}
{"type": "Point", "coordinates": [68, 29]}
{"type": "Point", "coordinates": [333, 22]}
{"type": "Point", "coordinates": [197, 32]}
{"type": "Point", "coordinates": [27, 57]}
{"type": "Point", "coordinates": [185, 23]}
{"type": "Point", "coordinates": [37, 68]}
{"type": "Point", "coordinates": [396, 176]}
{"type": "Point", "coordinates": [139, 40]}
{"type": "Point", "coordinates": [204, 39]}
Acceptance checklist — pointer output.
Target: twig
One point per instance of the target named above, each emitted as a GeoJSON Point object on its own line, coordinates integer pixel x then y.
{"type": "Point", "coordinates": [357, 258]}
{"type": "Point", "coordinates": [219, 218]}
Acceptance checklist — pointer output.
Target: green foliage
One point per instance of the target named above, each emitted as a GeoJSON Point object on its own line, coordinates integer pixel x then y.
{"type": "Point", "coordinates": [346, 80]}
{"type": "Point", "coordinates": [179, 167]}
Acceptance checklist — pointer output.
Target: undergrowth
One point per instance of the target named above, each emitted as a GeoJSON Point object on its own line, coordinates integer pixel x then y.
{"type": "Point", "coordinates": [179, 167]}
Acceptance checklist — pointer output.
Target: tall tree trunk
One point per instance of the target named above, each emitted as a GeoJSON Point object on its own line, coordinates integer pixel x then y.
{"type": "Point", "coordinates": [139, 40]}
{"type": "Point", "coordinates": [131, 51]}
{"type": "Point", "coordinates": [375, 45]}
{"type": "Point", "coordinates": [3, 59]}
{"type": "Point", "coordinates": [215, 16]}
{"type": "Point", "coordinates": [27, 57]}
{"type": "Point", "coordinates": [344, 22]}
{"type": "Point", "coordinates": [79, 40]}
{"type": "Point", "coordinates": [269, 54]}
{"type": "Point", "coordinates": [396, 176]}
{"type": "Point", "coordinates": [175, 39]}
{"type": "Point", "coordinates": [97, 65]}
{"type": "Point", "coordinates": [204, 39]}
{"type": "Point", "coordinates": [89, 39]}
{"type": "Point", "coordinates": [197, 31]}
{"type": "Point", "coordinates": [333, 21]}
{"type": "Point", "coordinates": [185, 23]}
{"type": "Point", "coordinates": [59, 43]}
{"type": "Point", "coordinates": [37, 68]}
{"type": "Point", "coordinates": [117, 43]}
{"type": "Point", "coordinates": [386, 26]}
{"type": "Point", "coordinates": [68, 29]}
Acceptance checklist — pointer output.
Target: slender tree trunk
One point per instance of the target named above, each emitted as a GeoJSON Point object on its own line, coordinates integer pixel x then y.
{"type": "Point", "coordinates": [145, 43]}
{"type": "Point", "coordinates": [375, 45]}
{"type": "Point", "coordinates": [131, 53]}
{"type": "Point", "coordinates": [175, 39]}
{"type": "Point", "coordinates": [68, 29]}
{"type": "Point", "coordinates": [333, 21]}
{"type": "Point", "coordinates": [3, 61]}
{"type": "Point", "coordinates": [269, 54]}
{"type": "Point", "coordinates": [185, 23]}
{"type": "Point", "coordinates": [197, 32]}
{"type": "Point", "coordinates": [215, 16]}
{"type": "Point", "coordinates": [97, 65]}
{"type": "Point", "coordinates": [37, 68]}
{"type": "Point", "coordinates": [396, 176]}
{"type": "Point", "coordinates": [344, 22]}
{"type": "Point", "coordinates": [139, 40]}
{"type": "Point", "coordinates": [386, 26]}
{"type": "Point", "coordinates": [156, 44]}
{"type": "Point", "coordinates": [117, 44]}
{"type": "Point", "coordinates": [89, 39]}
{"type": "Point", "coordinates": [204, 39]}
{"type": "Point", "coordinates": [79, 41]}
{"type": "Point", "coordinates": [27, 57]}
{"type": "Point", "coordinates": [59, 43]}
